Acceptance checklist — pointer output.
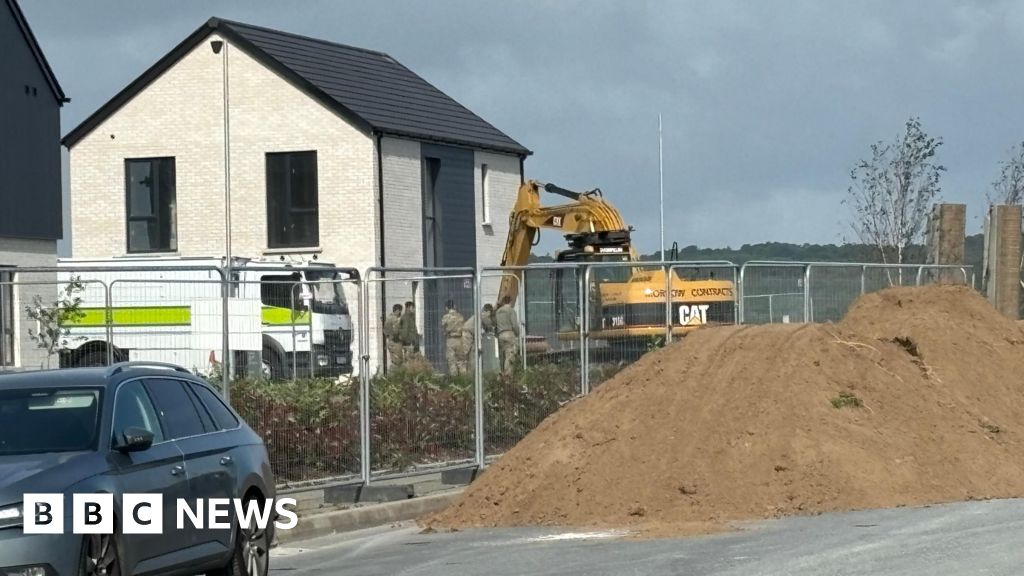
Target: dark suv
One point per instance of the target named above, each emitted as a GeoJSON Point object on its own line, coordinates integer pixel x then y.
{"type": "Point", "coordinates": [131, 428]}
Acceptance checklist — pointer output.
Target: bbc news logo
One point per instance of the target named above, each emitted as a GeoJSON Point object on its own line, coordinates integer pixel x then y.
{"type": "Point", "coordinates": [144, 514]}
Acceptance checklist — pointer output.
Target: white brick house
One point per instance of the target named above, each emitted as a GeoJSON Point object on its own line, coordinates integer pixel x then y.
{"type": "Point", "coordinates": [328, 148]}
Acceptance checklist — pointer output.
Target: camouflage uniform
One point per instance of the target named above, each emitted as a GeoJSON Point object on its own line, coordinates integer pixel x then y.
{"type": "Point", "coordinates": [391, 341]}
{"type": "Point", "coordinates": [506, 324]}
{"type": "Point", "coordinates": [452, 323]}
{"type": "Point", "coordinates": [408, 334]}
{"type": "Point", "coordinates": [468, 338]}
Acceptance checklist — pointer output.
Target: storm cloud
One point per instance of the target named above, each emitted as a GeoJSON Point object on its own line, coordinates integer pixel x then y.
{"type": "Point", "coordinates": [766, 105]}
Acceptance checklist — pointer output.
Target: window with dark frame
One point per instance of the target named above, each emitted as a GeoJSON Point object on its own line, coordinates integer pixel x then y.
{"type": "Point", "coordinates": [150, 205]}
{"type": "Point", "coordinates": [485, 195]}
{"type": "Point", "coordinates": [431, 232]}
{"type": "Point", "coordinates": [6, 318]}
{"type": "Point", "coordinates": [293, 219]}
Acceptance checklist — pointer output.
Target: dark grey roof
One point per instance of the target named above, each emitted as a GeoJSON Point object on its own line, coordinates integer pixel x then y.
{"type": "Point", "coordinates": [370, 89]}
{"type": "Point", "coordinates": [33, 45]}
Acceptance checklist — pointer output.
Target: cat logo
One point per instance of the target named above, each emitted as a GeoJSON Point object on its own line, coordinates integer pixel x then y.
{"type": "Point", "coordinates": [556, 221]}
{"type": "Point", "coordinates": [693, 314]}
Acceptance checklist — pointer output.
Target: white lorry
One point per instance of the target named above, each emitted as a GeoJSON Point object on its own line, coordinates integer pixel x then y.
{"type": "Point", "coordinates": [285, 318]}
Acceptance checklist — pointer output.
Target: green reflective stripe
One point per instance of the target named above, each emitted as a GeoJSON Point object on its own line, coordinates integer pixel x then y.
{"type": "Point", "coordinates": [134, 316]}
{"type": "Point", "coordinates": [275, 316]}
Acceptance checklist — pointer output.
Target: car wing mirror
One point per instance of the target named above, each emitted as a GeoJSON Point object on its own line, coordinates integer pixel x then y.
{"type": "Point", "coordinates": [134, 439]}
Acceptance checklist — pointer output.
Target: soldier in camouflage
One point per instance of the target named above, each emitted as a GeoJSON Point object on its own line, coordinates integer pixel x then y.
{"type": "Point", "coordinates": [506, 324]}
{"type": "Point", "coordinates": [468, 338]}
{"type": "Point", "coordinates": [451, 323]}
{"type": "Point", "coordinates": [408, 334]}
{"type": "Point", "coordinates": [391, 340]}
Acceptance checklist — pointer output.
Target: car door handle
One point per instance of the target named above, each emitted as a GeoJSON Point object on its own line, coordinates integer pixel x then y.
{"type": "Point", "coordinates": [177, 470]}
{"type": "Point", "coordinates": [225, 461]}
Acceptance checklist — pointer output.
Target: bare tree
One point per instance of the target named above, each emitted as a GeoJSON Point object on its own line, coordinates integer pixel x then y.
{"type": "Point", "coordinates": [892, 192]}
{"type": "Point", "coordinates": [1009, 188]}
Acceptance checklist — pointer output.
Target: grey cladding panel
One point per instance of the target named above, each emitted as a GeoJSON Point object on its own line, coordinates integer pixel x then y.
{"type": "Point", "coordinates": [30, 194]}
{"type": "Point", "coordinates": [455, 203]}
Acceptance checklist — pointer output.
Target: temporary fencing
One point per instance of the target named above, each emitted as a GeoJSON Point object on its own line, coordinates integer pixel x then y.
{"type": "Point", "coordinates": [342, 392]}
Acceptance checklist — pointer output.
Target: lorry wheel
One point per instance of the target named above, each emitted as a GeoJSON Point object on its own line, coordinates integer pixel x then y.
{"type": "Point", "coordinates": [273, 366]}
{"type": "Point", "coordinates": [92, 359]}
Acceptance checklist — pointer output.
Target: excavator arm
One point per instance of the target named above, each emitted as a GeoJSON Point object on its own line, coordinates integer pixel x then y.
{"type": "Point", "coordinates": [587, 212]}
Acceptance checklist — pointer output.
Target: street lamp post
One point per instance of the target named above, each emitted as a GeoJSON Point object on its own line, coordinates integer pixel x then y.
{"type": "Point", "coordinates": [220, 47]}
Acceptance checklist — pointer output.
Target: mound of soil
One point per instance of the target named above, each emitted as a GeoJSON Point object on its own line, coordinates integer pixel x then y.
{"type": "Point", "coordinates": [915, 398]}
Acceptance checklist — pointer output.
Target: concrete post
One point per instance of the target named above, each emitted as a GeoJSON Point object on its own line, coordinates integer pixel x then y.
{"type": "Point", "coordinates": [1002, 259]}
{"type": "Point", "coordinates": [946, 234]}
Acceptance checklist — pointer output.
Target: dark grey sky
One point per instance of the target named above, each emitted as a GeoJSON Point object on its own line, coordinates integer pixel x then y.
{"type": "Point", "coordinates": [766, 105]}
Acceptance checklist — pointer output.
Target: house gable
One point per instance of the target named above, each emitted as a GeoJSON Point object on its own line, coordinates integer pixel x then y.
{"type": "Point", "coordinates": [369, 89]}
{"type": "Point", "coordinates": [180, 115]}
{"type": "Point", "coordinates": [37, 53]}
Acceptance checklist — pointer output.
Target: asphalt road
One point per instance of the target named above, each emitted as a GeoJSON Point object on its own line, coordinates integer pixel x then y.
{"type": "Point", "coordinates": [966, 538]}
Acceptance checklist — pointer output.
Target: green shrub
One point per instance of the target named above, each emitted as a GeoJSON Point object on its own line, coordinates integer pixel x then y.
{"type": "Point", "coordinates": [311, 427]}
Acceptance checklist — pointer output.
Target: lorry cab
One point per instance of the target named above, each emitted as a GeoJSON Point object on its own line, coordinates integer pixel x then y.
{"type": "Point", "coordinates": [307, 325]}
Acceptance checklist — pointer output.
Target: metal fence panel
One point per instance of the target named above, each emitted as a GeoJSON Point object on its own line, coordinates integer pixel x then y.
{"type": "Point", "coordinates": [293, 347]}
{"type": "Point", "coordinates": [833, 289]}
{"type": "Point", "coordinates": [170, 320]}
{"type": "Point", "coordinates": [633, 308]}
{"type": "Point", "coordinates": [316, 370]}
{"type": "Point", "coordinates": [772, 292]}
{"type": "Point", "coordinates": [544, 370]}
{"type": "Point", "coordinates": [46, 324]}
{"type": "Point", "coordinates": [421, 403]}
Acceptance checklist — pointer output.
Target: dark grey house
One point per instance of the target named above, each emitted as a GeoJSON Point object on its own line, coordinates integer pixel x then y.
{"type": "Point", "coordinates": [30, 176]}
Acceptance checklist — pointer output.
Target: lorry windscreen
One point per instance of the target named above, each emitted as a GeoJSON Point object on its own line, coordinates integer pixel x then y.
{"type": "Point", "coordinates": [328, 293]}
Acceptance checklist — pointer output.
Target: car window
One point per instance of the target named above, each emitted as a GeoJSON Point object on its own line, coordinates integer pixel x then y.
{"type": "Point", "coordinates": [177, 412]}
{"type": "Point", "coordinates": [204, 414]}
{"type": "Point", "coordinates": [48, 420]}
{"type": "Point", "coordinates": [134, 408]}
{"type": "Point", "coordinates": [224, 418]}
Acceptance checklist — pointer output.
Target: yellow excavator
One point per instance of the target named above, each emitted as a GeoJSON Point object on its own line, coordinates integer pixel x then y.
{"type": "Point", "coordinates": [627, 302]}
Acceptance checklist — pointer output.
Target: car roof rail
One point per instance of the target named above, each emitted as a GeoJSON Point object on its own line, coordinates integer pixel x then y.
{"type": "Point", "coordinates": [121, 366]}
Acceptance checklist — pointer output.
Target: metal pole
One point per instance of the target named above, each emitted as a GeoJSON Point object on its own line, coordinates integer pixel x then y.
{"type": "Point", "coordinates": [740, 297]}
{"type": "Point", "coordinates": [226, 361]}
{"type": "Point", "coordinates": [295, 345]}
{"type": "Point", "coordinates": [109, 321]}
{"type": "Point", "coordinates": [661, 187]}
{"type": "Point", "coordinates": [863, 273]}
{"type": "Point", "coordinates": [227, 162]}
{"type": "Point", "coordinates": [771, 313]}
{"type": "Point", "coordinates": [582, 304]}
{"type": "Point", "coordinates": [807, 293]}
{"type": "Point", "coordinates": [585, 344]}
{"type": "Point", "coordinates": [738, 289]}
{"type": "Point", "coordinates": [668, 303]}
{"type": "Point", "coordinates": [364, 382]}
{"type": "Point", "coordinates": [522, 318]}
{"type": "Point", "coordinates": [225, 279]}
{"type": "Point", "coordinates": [478, 378]}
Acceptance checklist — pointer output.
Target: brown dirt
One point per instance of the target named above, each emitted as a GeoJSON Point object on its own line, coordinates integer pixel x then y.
{"type": "Point", "coordinates": [739, 423]}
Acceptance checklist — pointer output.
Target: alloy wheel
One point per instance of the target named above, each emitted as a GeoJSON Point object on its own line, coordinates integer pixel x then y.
{"type": "Point", "coordinates": [255, 552]}
{"type": "Point", "coordinates": [99, 557]}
